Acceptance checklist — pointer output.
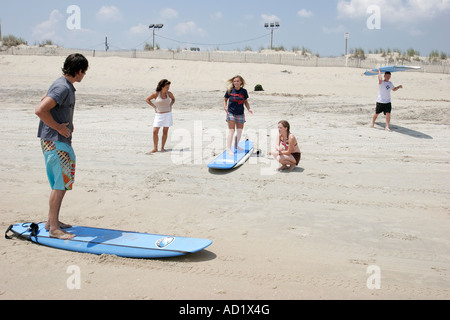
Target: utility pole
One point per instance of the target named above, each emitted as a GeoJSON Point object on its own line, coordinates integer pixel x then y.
{"type": "Point", "coordinates": [272, 26]}
{"type": "Point", "coordinates": [154, 27]}
{"type": "Point", "coordinates": [346, 36]}
{"type": "Point", "coordinates": [106, 44]}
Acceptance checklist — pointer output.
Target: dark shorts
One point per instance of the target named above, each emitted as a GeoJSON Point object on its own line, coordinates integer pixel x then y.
{"type": "Point", "coordinates": [383, 107]}
{"type": "Point", "coordinates": [297, 156]}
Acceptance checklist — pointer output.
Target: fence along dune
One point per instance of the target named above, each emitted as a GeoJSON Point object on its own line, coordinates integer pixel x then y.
{"type": "Point", "coordinates": [282, 58]}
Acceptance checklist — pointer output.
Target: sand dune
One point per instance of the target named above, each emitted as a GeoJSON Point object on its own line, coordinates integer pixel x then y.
{"type": "Point", "coordinates": [361, 196]}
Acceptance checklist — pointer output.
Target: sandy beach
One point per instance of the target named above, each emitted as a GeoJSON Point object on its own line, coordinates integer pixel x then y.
{"type": "Point", "coordinates": [361, 198]}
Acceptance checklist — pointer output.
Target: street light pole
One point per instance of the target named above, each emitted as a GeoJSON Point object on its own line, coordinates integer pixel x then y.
{"type": "Point", "coordinates": [154, 27]}
{"type": "Point", "coordinates": [346, 36]}
{"type": "Point", "coordinates": [272, 26]}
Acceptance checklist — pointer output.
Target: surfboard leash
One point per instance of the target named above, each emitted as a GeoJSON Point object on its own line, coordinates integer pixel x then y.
{"type": "Point", "coordinates": [33, 228]}
{"type": "Point", "coordinates": [6, 232]}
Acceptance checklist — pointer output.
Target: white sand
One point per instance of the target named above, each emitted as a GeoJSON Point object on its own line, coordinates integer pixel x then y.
{"type": "Point", "coordinates": [360, 197]}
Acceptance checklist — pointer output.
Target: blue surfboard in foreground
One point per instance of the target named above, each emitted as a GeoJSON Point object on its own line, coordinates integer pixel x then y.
{"type": "Point", "coordinates": [113, 242]}
{"type": "Point", "coordinates": [374, 71]}
{"type": "Point", "coordinates": [226, 161]}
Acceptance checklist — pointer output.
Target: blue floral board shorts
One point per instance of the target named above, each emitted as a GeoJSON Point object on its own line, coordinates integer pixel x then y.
{"type": "Point", "coordinates": [60, 162]}
{"type": "Point", "coordinates": [237, 118]}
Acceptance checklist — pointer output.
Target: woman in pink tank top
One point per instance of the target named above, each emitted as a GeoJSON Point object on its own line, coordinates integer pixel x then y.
{"type": "Point", "coordinates": [163, 102]}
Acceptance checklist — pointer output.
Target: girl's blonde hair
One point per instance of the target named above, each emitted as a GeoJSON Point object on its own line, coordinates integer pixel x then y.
{"type": "Point", "coordinates": [230, 81]}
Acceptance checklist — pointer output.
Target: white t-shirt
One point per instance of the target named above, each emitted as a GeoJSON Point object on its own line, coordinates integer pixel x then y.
{"type": "Point", "coordinates": [384, 94]}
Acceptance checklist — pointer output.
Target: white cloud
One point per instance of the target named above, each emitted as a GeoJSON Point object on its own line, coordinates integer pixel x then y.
{"type": "Point", "coordinates": [304, 13]}
{"type": "Point", "coordinates": [139, 29]}
{"type": "Point", "coordinates": [169, 13]}
{"type": "Point", "coordinates": [48, 28]}
{"type": "Point", "coordinates": [270, 18]}
{"type": "Point", "coordinates": [352, 9]}
{"type": "Point", "coordinates": [394, 11]}
{"type": "Point", "coordinates": [109, 14]}
{"type": "Point", "coordinates": [189, 28]}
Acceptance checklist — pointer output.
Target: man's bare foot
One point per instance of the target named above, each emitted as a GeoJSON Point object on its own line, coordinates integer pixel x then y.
{"type": "Point", "coordinates": [60, 234]}
{"type": "Point", "coordinates": [283, 167]}
{"type": "Point", "coordinates": [64, 225]}
{"type": "Point", "coordinates": [61, 225]}
{"type": "Point", "coordinates": [291, 167]}
{"type": "Point", "coordinates": [387, 129]}
{"type": "Point", "coordinates": [163, 150]}
{"type": "Point", "coordinates": [152, 151]}
{"type": "Point", "coordinates": [230, 152]}
{"type": "Point", "coordinates": [372, 125]}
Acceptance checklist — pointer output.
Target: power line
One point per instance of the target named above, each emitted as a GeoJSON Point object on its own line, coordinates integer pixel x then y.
{"type": "Point", "coordinates": [215, 44]}
{"type": "Point", "coordinates": [140, 44]}
{"type": "Point", "coordinates": [178, 41]}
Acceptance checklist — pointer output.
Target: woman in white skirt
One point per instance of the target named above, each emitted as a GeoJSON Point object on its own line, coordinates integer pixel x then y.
{"type": "Point", "coordinates": [163, 103]}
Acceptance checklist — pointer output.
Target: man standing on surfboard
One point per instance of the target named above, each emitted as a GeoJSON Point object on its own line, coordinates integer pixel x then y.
{"type": "Point", "coordinates": [55, 112]}
{"type": "Point", "coordinates": [384, 98]}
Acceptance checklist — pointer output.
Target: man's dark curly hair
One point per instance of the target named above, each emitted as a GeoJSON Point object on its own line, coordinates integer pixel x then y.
{"type": "Point", "coordinates": [74, 63]}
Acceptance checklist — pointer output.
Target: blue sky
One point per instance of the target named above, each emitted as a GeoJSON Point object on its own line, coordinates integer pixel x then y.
{"type": "Point", "coordinates": [226, 25]}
